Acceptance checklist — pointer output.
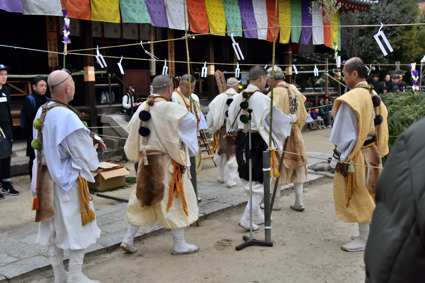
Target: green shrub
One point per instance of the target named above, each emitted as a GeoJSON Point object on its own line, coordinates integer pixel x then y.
{"type": "Point", "coordinates": [404, 109]}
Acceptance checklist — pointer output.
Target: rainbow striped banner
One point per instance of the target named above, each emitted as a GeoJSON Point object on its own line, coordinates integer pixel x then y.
{"type": "Point", "coordinates": [216, 16]}
{"type": "Point", "coordinates": [255, 18]}
{"type": "Point", "coordinates": [233, 17]}
{"type": "Point", "coordinates": [105, 11]}
{"type": "Point", "coordinates": [134, 11]}
{"type": "Point", "coordinates": [285, 20]}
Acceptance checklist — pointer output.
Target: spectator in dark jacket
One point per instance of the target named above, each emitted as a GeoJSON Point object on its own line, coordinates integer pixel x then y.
{"type": "Point", "coordinates": [376, 82]}
{"type": "Point", "coordinates": [395, 251]}
{"type": "Point", "coordinates": [6, 126]}
{"type": "Point", "coordinates": [30, 106]}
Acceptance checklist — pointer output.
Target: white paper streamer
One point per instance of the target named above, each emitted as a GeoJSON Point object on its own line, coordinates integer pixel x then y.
{"type": "Point", "coordinates": [204, 70]}
{"type": "Point", "coordinates": [316, 71]}
{"type": "Point", "coordinates": [120, 66]}
{"type": "Point", "coordinates": [338, 62]}
{"type": "Point", "coordinates": [236, 48]}
{"type": "Point", "coordinates": [152, 56]}
{"type": "Point", "coordinates": [100, 59]}
{"type": "Point", "coordinates": [382, 40]}
{"type": "Point", "coordinates": [165, 69]}
{"type": "Point", "coordinates": [237, 71]}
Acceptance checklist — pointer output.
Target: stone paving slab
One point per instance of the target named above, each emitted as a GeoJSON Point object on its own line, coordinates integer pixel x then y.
{"type": "Point", "coordinates": [20, 255]}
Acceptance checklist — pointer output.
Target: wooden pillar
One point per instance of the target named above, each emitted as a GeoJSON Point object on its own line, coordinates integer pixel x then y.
{"type": "Point", "coordinates": [52, 42]}
{"type": "Point", "coordinates": [89, 80]}
{"type": "Point", "coordinates": [171, 54]}
{"type": "Point", "coordinates": [327, 78]}
{"type": "Point", "coordinates": [211, 69]}
{"type": "Point", "coordinates": [287, 61]}
{"type": "Point", "coordinates": [152, 63]}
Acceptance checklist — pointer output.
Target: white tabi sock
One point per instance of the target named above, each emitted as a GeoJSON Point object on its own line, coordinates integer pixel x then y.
{"type": "Point", "coordinates": [56, 260]}
{"type": "Point", "coordinates": [299, 197]}
{"type": "Point", "coordinates": [127, 243]}
{"type": "Point", "coordinates": [358, 244]}
{"type": "Point", "coordinates": [76, 275]}
{"type": "Point", "coordinates": [231, 172]}
{"type": "Point", "coordinates": [180, 246]}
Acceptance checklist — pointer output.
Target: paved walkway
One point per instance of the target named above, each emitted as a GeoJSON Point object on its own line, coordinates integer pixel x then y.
{"type": "Point", "coordinates": [19, 255]}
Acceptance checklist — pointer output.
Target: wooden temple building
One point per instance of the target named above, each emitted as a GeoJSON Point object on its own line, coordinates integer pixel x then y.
{"type": "Point", "coordinates": [120, 26]}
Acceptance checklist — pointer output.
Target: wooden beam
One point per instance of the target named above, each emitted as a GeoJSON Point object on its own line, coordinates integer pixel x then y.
{"type": "Point", "coordinates": [88, 61]}
{"type": "Point", "coordinates": [171, 54]}
{"type": "Point", "coordinates": [52, 42]}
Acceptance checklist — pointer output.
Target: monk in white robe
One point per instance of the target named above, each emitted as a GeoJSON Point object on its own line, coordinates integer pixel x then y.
{"type": "Point", "coordinates": [252, 102]}
{"type": "Point", "coordinates": [161, 135]}
{"type": "Point", "coordinates": [65, 158]}
{"type": "Point", "coordinates": [184, 96]}
{"type": "Point", "coordinates": [223, 143]}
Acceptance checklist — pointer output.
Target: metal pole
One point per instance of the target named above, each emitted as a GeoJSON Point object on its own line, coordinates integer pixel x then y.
{"type": "Point", "coordinates": [250, 178]}
{"type": "Point", "coordinates": [193, 174]}
{"type": "Point", "coordinates": [420, 77]}
{"type": "Point", "coordinates": [267, 204]}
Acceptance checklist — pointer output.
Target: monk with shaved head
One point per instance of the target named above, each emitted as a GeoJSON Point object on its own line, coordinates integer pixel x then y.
{"type": "Point", "coordinates": [65, 157]}
{"type": "Point", "coordinates": [161, 136]}
{"type": "Point", "coordinates": [360, 136]}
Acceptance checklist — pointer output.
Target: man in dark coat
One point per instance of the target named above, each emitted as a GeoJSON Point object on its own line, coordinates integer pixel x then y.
{"type": "Point", "coordinates": [395, 251]}
{"type": "Point", "coordinates": [6, 124]}
{"type": "Point", "coordinates": [29, 109]}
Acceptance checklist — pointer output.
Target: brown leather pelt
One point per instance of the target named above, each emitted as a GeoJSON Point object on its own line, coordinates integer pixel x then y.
{"type": "Point", "coordinates": [150, 180]}
{"type": "Point", "coordinates": [227, 144]}
{"type": "Point", "coordinates": [46, 195]}
{"type": "Point", "coordinates": [373, 164]}
{"type": "Point", "coordinates": [294, 150]}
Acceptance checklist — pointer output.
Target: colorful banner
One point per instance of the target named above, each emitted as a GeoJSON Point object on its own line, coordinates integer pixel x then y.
{"type": "Point", "coordinates": [327, 33]}
{"type": "Point", "coordinates": [318, 35]}
{"type": "Point", "coordinates": [156, 9]}
{"type": "Point", "coordinates": [176, 14]}
{"type": "Point", "coordinates": [273, 20]}
{"type": "Point", "coordinates": [134, 11]}
{"type": "Point", "coordinates": [198, 18]}
{"type": "Point", "coordinates": [296, 20]}
{"type": "Point", "coordinates": [285, 20]}
{"type": "Point", "coordinates": [249, 23]}
{"type": "Point", "coordinates": [233, 17]}
{"type": "Point", "coordinates": [307, 21]}
{"type": "Point", "coordinates": [42, 7]}
{"type": "Point", "coordinates": [260, 12]}
{"type": "Point", "coordinates": [77, 9]}
{"type": "Point", "coordinates": [216, 16]}
{"type": "Point", "coordinates": [105, 11]}
{"type": "Point", "coordinates": [336, 31]}
{"type": "Point", "coordinates": [13, 6]}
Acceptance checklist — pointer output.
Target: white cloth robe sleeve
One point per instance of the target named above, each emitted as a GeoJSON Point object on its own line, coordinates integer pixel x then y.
{"type": "Point", "coordinates": [132, 144]}
{"type": "Point", "coordinates": [344, 131]}
{"type": "Point", "coordinates": [79, 145]}
{"type": "Point", "coordinates": [187, 133]}
{"type": "Point", "coordinates": [231, 123]}
{"type": "Point", "coordinates": [281, 124]}
{"type": "Point", "coordinates": [126, 102]}
{"type": "Point", "coordinates": [216, 109]}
